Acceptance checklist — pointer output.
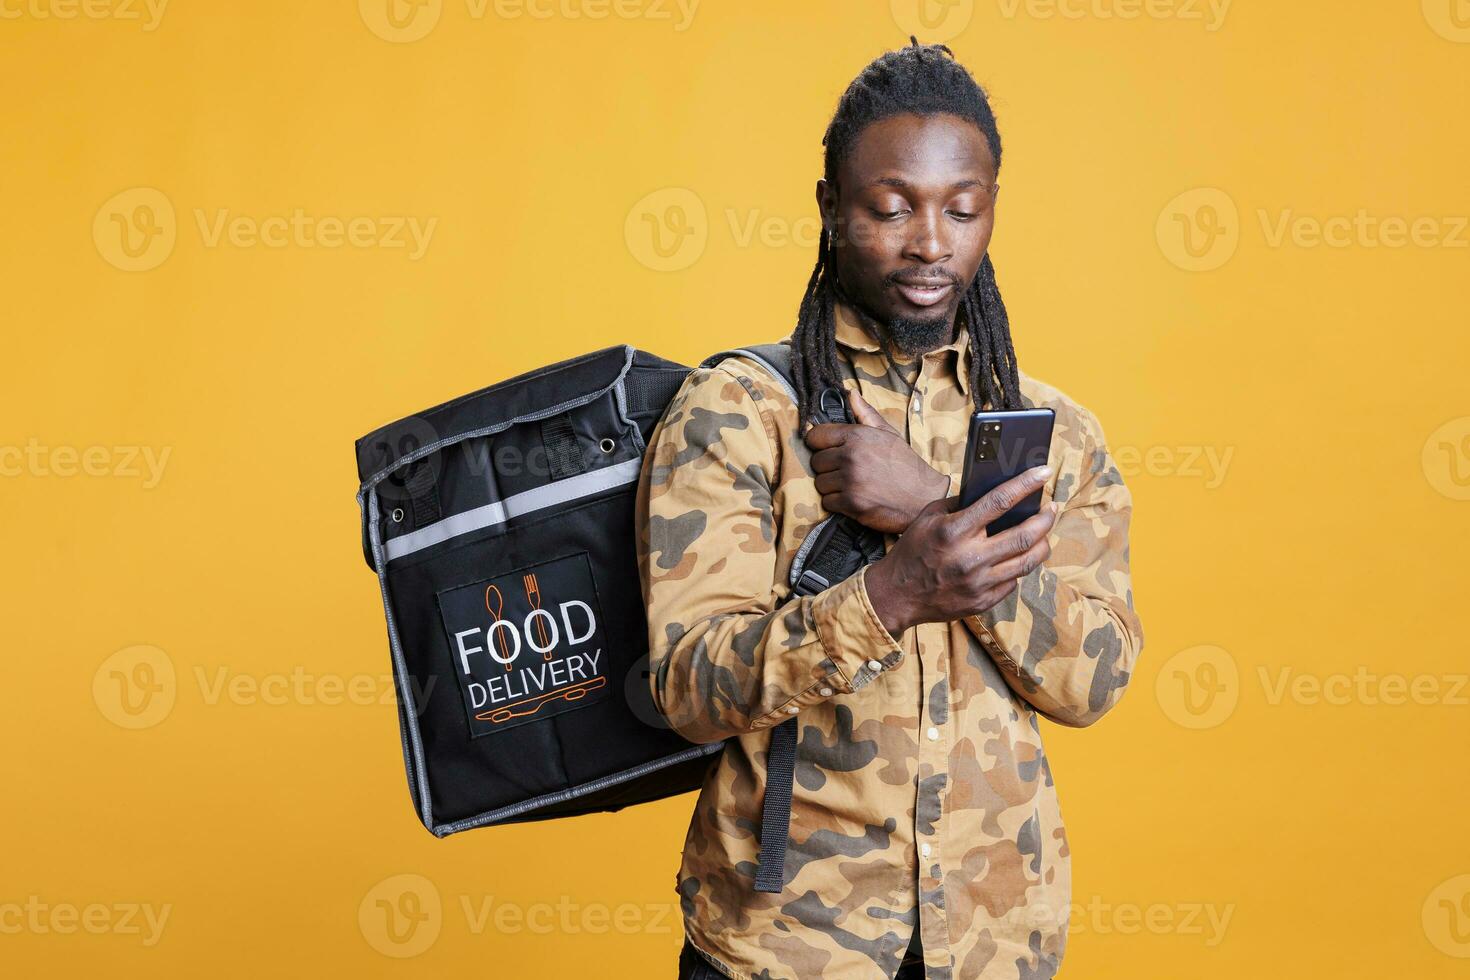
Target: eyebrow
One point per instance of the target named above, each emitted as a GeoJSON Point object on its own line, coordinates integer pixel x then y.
{"type": "Point", "coordinates": [899, 182]}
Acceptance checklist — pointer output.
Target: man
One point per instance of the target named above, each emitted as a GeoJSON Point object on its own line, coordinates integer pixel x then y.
{"type": "Point", "coordinates": [926, 837]}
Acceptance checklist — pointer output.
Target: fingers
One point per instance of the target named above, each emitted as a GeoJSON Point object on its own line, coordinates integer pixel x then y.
{"type": "Point", "coordinates": [827, 435]}
{"type": "Point", "coordinates": [995, 594]}
{"type": "Point", "coordinates": [1015, 540]}
{"type": "Point", "coordinates": [832, 437]}
{"type": "Point", "coordinates": [868, 415]}
{"type": "Point", "coordinates": [828, 460]}
{"type": "Point", "coordinates": [1028, 549]}
{"type": "Point", "coordinates": [829, 482]}
{"type": "Point", "coordinates": [972, 519]}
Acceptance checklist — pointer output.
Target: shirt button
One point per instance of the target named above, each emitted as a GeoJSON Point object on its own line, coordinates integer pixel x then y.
{"type": "Point", "coordinates": [874, 665]}
{"type": "Point", "coordinates": [792, 709]}
{"type": "Point", "coordinates": [933, 734]}
{"type": "Point", "coordinates": [826, 692]}
{"type": "Point", "coordinates": [924, 849]}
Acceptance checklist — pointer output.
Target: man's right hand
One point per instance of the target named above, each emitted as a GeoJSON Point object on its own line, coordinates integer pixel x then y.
{"type": "Point", "coordinates": [946, 567]}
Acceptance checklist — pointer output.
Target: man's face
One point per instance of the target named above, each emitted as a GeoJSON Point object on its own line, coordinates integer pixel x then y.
{"type": "Point", "coordinates": [912, 210]}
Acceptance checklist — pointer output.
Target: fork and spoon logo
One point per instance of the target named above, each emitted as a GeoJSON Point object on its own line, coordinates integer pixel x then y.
{"type": "Point", "coordinates": [495, 605]}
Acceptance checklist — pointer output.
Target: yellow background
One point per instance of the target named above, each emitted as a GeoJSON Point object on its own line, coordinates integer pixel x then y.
{"type": "Point", "coordinates": [1330, 829]}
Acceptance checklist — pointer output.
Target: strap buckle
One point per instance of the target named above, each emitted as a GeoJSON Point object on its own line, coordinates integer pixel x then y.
{"type": "Point", "coordinates": [810, 583]}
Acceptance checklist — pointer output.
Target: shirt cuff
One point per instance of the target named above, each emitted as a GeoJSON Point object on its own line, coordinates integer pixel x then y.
{"type": "Point", "coordinates": [852, 635]}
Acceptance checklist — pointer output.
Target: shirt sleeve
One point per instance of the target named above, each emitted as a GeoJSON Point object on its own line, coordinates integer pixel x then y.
{"type": "Point", "coordinates": [1067, 638]}
{"type": "Point", "coordinates": [726, 656]}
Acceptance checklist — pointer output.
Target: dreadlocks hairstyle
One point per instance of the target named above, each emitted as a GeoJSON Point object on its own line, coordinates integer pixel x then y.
{"type": "Point", "coordinates": [923, 79]}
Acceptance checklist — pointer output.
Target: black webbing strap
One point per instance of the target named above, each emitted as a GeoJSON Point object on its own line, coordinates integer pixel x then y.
{"type": "Point", "coordinates": [563, 451]}
{"type": "Point", "coordinates": [770, 874]}
{"type": "Point", "coordinates": [421, 485]}
{"type": "Point", "coordinates": [847, 547]}
{"type": "Point", "coordinates": [651, 390]}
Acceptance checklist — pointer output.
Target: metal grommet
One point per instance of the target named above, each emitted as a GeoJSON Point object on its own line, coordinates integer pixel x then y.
{"type": "Point", "coordinates": [607, 445]}
{"type": "Point", "coordinates": [397, 515]}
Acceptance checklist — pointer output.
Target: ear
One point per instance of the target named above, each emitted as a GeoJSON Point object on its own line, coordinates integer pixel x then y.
{"type": "Point", "coordinates": [827, 204]}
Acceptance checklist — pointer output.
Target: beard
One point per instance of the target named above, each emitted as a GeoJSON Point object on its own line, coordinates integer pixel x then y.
{"type": "Point", "coordinates": [910, 335]}
{"type": "Point", "coordinates": [915, 335]}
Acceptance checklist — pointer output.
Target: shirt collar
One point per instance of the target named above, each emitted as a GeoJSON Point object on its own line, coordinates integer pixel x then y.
{"type": "Point", "coordinates": [851, 334]}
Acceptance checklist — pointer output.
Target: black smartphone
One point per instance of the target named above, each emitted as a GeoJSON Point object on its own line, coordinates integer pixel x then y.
{"type": "Point", "coordinates": [1004, 445]}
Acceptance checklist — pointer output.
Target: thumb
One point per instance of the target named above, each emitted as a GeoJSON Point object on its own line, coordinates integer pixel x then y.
{"type": "Point", "coordinates": [868, 415]}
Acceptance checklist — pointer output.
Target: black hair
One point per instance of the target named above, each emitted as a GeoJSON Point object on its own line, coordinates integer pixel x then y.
{"type": "Point", "coordinates": [922, 79]}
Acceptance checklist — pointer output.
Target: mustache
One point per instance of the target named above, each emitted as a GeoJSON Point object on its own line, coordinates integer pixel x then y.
{"type": "Point", "coordinates": [893, 278]}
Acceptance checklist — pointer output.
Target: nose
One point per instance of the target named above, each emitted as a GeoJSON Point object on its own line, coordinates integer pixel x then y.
{"type": "Point", "coordinates": [927, 243]}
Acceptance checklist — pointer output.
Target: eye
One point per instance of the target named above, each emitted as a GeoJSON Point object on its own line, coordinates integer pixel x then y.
{"type": "Point", "coordinates": [888, 215]}
{"type": "Point", "coordinates": [962, 215]}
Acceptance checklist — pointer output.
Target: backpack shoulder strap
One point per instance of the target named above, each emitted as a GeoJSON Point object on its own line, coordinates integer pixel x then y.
{"type": "Point", "coordinates": [835, 549]}
{"type": "Point", "coordinates": [775, 358]}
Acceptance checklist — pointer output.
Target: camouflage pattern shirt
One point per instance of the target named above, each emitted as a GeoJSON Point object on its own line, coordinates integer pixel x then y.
{"type": "Point", "coordinates": [923, 798]}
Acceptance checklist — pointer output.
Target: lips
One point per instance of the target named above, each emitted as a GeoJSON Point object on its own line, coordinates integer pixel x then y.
{"type": "Point", "coordinates": [924, 292]}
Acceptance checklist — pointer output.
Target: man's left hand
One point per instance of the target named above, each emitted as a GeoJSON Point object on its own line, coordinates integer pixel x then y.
{"type": "Point", "coordinates": [869, 472]}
